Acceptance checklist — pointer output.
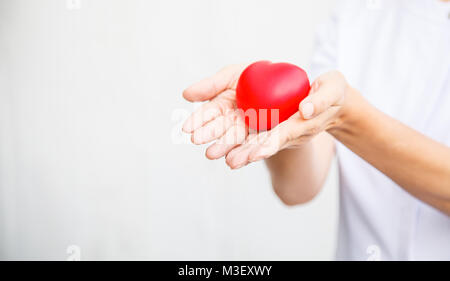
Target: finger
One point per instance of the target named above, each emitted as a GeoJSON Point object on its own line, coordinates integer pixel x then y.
{"type": "Point", "coordinates": [271, 145]}
{"type": "Point", "coordinates": [324, 93]}
{"type": "Point", "coordinates": [212, 86]}
{"type": "Point", "coordinates": [208, 112]}
{"type": "Point", "coordinates": [214, 129]}
{"type": "Point", "coordinates": [239, 156]}
{"type": "Point", "coordinates": [268, 148]}
{"type": "Point", "coordinates": [278, 138]}
{"type": "Point", "coordinates": [204, 114]}
{"type": "Point", "coordinates": [232, 138]}
{"type": "Point", "coordinates": [298, 129]}
{"type": "Point", "coordinates": [295, 130]}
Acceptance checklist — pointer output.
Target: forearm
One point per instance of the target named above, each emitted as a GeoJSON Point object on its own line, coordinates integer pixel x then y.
{"type": "Point", "coordinates": [298, 173]}
{"type": "Point", "coordinates": [418, 164]}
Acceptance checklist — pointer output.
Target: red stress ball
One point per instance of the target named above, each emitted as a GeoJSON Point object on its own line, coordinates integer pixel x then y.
{"type": "Point", "coordinates": [269, 93]}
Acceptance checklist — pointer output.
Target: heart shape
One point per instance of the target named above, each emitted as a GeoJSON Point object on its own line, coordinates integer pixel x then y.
{"type": "Point", "coordinates": [269, 93]}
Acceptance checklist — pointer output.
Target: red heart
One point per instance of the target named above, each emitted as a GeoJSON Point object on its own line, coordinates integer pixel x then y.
{"type": "Point", "coordinates": [265, 87]}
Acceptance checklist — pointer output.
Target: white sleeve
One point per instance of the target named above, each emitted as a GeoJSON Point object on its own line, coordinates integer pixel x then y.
{"type": "Point", "coordinates": [324, 54]}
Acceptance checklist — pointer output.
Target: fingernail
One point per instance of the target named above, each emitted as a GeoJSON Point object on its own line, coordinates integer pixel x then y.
{"type": "Point", "coordinates": [307, 110]}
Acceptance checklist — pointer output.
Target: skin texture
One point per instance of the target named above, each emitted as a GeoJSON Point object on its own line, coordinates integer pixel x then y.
{"type": "Point", "coordinates": [298, 152]}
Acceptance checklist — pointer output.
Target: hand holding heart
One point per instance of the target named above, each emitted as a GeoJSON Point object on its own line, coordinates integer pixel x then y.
{"type": "Point", "coordinates": [220, 120]}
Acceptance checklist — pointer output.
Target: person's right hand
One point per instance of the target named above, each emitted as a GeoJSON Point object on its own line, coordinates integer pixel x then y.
{"type": "Point", "coordinates": [217, 119]}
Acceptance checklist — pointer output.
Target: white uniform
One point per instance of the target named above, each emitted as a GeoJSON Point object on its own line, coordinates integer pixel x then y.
{"type": "Point", "coordinates": [397, 53]}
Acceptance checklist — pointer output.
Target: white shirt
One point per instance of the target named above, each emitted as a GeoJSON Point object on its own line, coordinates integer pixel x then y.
{"type": "Point", "coordinates": [397, 54]}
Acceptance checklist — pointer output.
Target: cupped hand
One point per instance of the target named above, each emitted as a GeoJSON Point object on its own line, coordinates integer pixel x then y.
{"type": "Point", "coordinates": [219, 120]}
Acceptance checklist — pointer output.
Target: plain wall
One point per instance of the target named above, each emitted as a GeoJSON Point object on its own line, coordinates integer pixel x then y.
{"type": "Point", "coordinates": [91, 152]}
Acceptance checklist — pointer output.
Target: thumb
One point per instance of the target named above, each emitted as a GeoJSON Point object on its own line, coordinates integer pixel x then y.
{"type": "Point", "coordinates": [210, 87]}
